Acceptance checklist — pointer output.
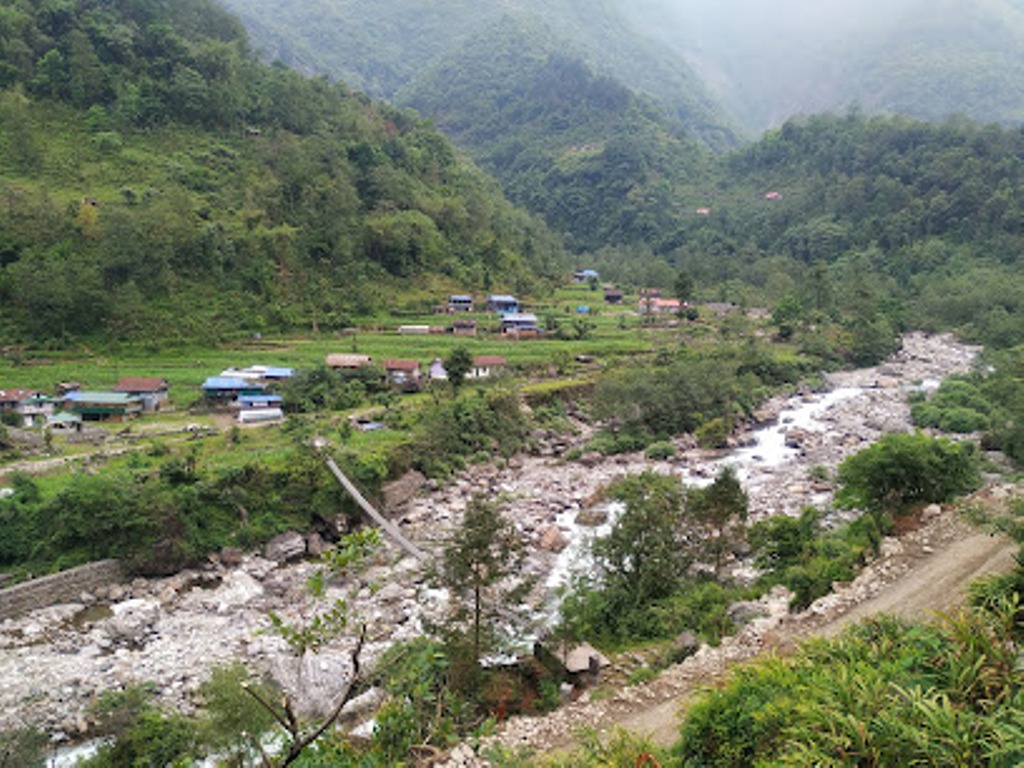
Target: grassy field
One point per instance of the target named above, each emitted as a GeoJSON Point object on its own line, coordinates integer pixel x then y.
{"type": "Point", "coordinates": [612, 334]}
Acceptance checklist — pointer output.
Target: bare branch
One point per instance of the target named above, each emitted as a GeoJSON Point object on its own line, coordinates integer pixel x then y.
{"type": "Point", "coordinates": [299, 745]}
{"type": "Point", "coordinates": [266, 705]}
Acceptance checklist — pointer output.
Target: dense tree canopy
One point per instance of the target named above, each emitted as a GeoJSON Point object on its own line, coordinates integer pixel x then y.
{"type": "Point", "coordinates": [154, 178]}
{"type": "Point", "coordinates": [901, 470]}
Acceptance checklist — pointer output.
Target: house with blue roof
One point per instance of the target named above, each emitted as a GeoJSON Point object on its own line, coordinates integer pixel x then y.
{"type": "Point", "coordinates": [502, 304]}
{"type": "Point", "coordinates": [519, 323]}
{"type": "Point", "coordinates": [460, 303]}
{"type": "Point", "coordinates": [225, 390]}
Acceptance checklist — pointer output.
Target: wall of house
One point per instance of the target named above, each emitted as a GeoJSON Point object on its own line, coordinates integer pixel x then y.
{"type": "Point", "coordinates": [63, 587]}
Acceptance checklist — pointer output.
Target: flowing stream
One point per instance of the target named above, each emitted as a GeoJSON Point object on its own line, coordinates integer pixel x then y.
{"type": "Point", "coordinates": [810, 433]}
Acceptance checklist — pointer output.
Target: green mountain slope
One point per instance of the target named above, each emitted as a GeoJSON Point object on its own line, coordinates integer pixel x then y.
{"type": "Point", "coordinates": [155, 180]}
{"type": "Point", "coordinates": [594, 159]}
{"type": "Point", "coordinates": [381, 46]}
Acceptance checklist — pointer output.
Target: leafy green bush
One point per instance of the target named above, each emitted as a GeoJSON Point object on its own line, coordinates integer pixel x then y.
{"type": "Point", "coordinates": [141, 733]}
{"type": "Point", "coordinates": [901, 470]}
{"type": "Point", "coordinates": [234, 721]}
{"type": "Point", "coordinates": [660, 451]}
{"type": "Point", "coordinates": [799, 554]}
{"type": "Point", "coordinates": [640, 675]}
{"type": "Point", "coordinates": [609, 442]}
{"type": "Point", "coordinates": [883, 693]}
{"type": "Point", "coordinates": [478, 423]}
{"type": "Point", "coordinates": [713, 433]}
{"type": "Point", "coordinates": [24, 747]}
{"type": "Point", "coordinates": [957, 406]}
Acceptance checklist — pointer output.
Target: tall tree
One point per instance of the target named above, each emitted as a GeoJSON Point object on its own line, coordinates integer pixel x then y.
{"type": "Point", "coordinates": [720, 511]}
{"type": "Point", "coordinates": [647, 552]}
{"type": "Point", "coordinates": [457, 365]}
{"type": "Point", "coordinates": [481, 567]}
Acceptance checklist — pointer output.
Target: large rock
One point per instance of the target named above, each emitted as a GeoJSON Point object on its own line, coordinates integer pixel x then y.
{"type": "Point", "coordinates": [237, 590]}
{"type": "Point", "coordinates": [553, 540]}
{"type": "Point", "coordinates": [592, 517]}
{"type": "Point", "coordinates": [286, 547]}
{"type": "Point", "coordinates": [133, 621]}
{"type": "Point", "coordinates": [402, 490]}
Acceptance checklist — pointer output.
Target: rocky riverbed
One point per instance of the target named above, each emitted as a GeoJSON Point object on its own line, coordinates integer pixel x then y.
{"type": "Point", "coordinates": [55, 661]}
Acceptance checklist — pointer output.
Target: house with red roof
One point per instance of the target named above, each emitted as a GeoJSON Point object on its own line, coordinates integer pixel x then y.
{"type": "Point", "coordinates": [404, 374]}
{"type": "Point", "coordinates": [153, 391]}
{"type": "Point", "coordinates": [485, 366]}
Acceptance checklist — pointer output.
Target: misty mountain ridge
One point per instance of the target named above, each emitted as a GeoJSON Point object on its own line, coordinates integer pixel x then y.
{"type": "Point", "coordinates": [580, 148]}
{"type": "Point", "coordinates": [711, 64]}
{"type": "Point", "coordinates": [770, 61]}
{"type": "Point", "coordinates": [383, 47]}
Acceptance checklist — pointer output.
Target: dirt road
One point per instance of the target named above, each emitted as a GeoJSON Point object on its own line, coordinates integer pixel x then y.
{"type": "Point", "coordinates": [926, 572]}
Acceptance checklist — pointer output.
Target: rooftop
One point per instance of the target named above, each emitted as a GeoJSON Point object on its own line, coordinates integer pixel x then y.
{"type": "Point", "coordinates": [401, 365]}
{"type": "Point", "coordinates": [102, 398]}
{"type": "Point", "coordinates": [141, 384]}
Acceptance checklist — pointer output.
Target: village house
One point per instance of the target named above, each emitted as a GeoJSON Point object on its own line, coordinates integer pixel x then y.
{"type": "Point", "coordinates": [65, 420]}
{"type": "Point", "coordinates": [654, 306]}
{"type": "Point", "coordinates": [153, 391]}
{"type": "Point", "coordinates": [31, 408]}
{"type": "Point", "coordinates": [464, 327]}
{"type": "Point", "coordinates": [349, 362]}
{"type": "Point", "coordinates": [485, 366]}
{"type": "Point", "coordinates": [460, 303]}
{"type": "Point", "coordinates": [582, 663]}
{"type": "Point", "coordinates": [612, 296]}
{"type": "Point", "coordinates": [259, 408]}
{"type": "Point", "coordinates": [103, 406]}
{"type": "Point", "coordinates": [502, 304]}
{"type": "Point", "coordinates": [519, 324]}
{"type": "Point", "coordinates": [259, 401]}
{"type": "Point", "coordinates": [267, 373]}
{"type": "Point", "coordinates": [225, 390]}
{"type": "Point", "coordinates": [414, 330]}
{"type": "Point", "coordinates": [585, 276]}
{"type": "Point", "coordinates": [403, 374]}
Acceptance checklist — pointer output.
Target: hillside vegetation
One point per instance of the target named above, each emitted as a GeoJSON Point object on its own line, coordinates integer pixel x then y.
{"type": "Point", "coordinates": [381, 47]}
{"type": "Point", "coordinates": [597, 161]}
{"type": "Point", "coordinates": [157, 181]}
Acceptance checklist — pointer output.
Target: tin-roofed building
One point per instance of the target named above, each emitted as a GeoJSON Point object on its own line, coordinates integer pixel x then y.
{"type": "Point", "coordinates": [502, 304]}
{"type": "Point", "coordinates": [460, 303]}
{"type": "Point", "coordinates": [224, 390]}
{"type": "Point", "coordinates": [103, 406]}
{"type": "Point", "coordinates": [153, 391]}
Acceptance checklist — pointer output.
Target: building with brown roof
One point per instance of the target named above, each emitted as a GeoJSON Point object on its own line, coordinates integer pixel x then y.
{"type": "Point", "coordinates": [485, 366]}
{"type": "Point", "coordinates": [153, 391]}
{"type": "Point", "coordinates": [404, 374]}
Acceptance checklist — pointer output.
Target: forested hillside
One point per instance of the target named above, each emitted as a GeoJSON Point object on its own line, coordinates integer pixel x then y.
{"type": "Point", "coordinates": [920, 221]}
{"type": "Point", "coordinates": [597, 161]}
{"type": "Point", "coordinates": [157, 181]}
{"type": "Point", "coordinates": [380, 47]}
